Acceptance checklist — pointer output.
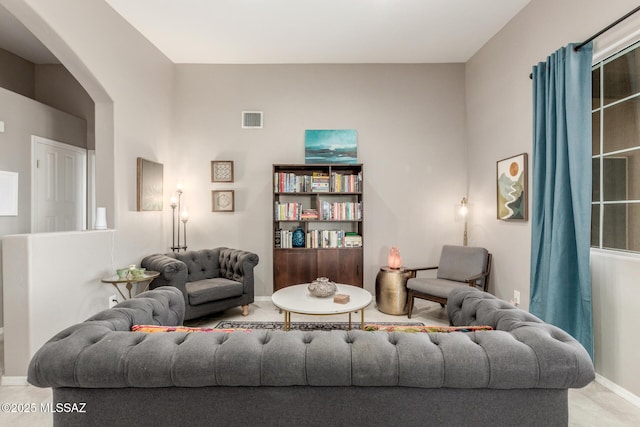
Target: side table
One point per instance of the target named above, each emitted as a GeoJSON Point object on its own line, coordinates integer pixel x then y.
{"type": "Point", "coordinates": [130, 280]}
{"type": "Point", "coordinates": [391, 290]}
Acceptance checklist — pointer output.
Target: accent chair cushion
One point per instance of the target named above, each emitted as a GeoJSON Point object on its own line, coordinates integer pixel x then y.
{"type": "Point", "coordinates": [207, 290]}
{"type": "Point", "coordinates": [460, 262]}
{"type": "Point", "coordinates": [431, 286]}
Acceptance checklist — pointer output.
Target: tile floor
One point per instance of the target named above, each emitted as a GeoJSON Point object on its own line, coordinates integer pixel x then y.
{"type": "Point", "coordinates": [593, 405]}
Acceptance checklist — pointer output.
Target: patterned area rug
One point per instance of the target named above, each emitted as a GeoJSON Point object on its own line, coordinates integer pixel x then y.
{"type": "Point", "coordinates": [305, 326]}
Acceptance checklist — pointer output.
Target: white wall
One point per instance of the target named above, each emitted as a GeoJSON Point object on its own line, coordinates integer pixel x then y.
{"type": "Point", "coordinates": [499, 125]}
{"type": "Point", "coordinates": [131, 83]}
{"type": "Point", "coordinates": [24, 117]}
{"type": "Point", "coordinates": [410, 123]}
{"type": "Point", "coordinates": [52, 282]}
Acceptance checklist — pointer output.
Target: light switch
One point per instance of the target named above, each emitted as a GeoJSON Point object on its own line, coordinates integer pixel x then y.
{"type": "Point", "coordinates": [1, 126]}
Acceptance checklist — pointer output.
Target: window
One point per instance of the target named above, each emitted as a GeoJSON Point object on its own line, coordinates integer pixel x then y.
{"type": "Point", "coordinates": [615, 219]}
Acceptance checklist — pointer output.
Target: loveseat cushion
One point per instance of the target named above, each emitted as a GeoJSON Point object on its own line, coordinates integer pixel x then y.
{"type": "Point", "coordinates": [432, 286]}
{"type": "Point", "coordinates": [460, 262]}
{"type": "Point", "coordinates": [203, 291]}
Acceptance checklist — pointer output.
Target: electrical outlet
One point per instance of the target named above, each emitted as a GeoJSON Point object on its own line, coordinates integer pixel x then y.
{"type": "Point", "coordinates": [113, 300]}
{"type": "Point", "coordinates": [516, 297]}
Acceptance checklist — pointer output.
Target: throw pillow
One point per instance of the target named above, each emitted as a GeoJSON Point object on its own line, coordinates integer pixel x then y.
{"type": "Point", "coordinates": [404, 328]}
{"type": "Point", "coordinates": [157, 328]}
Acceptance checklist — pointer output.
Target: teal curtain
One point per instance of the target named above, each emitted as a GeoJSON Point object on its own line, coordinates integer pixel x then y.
{"type": "Point", "coordinates": [561, 193]}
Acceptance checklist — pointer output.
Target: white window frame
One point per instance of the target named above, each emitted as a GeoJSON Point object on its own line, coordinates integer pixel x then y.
{"type": "Point", "coordinates": [608, 45]}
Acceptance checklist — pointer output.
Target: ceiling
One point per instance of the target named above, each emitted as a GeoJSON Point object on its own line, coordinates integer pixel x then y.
{"type": "Point", "coordinates": [299, 31]}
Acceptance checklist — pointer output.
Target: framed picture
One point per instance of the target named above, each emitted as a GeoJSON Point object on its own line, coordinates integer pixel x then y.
{"type": "Point", "coordinates": [149, 185]}
{"type": "Point", "coordinates": [8, 193]}
{"type": "Point", "coordinates": [222, 171]}
{"type": "Point", "coordinates": [512, 193]}
{"type": "Point", "coordinates": [331, 146]}
{"type": "Point", "coordinates": [222, 201]}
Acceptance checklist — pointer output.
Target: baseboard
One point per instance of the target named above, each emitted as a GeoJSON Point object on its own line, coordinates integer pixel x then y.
{"type": "Point", "coordinates": [13, 380]}
{"type": "Point", "coordinates": [622, 392]}
{"type": "Point", "coordinates": [262, 298]}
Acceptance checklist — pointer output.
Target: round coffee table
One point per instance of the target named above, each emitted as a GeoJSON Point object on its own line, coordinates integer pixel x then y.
{"type": "Point", "coordinates": [297, 299]}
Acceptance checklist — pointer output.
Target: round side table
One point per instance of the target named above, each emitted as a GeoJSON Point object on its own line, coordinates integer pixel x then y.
{"type": "Point", "coordinates": [391, 290]}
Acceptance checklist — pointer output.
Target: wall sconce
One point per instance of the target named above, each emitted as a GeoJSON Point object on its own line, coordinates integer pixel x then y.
{"type": "Point", "coordinates": [464, 211]}
{"type": "Point", "coordinates": [176, 203]}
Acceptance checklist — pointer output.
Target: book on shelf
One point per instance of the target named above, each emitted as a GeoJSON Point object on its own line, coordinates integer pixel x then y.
{"type": "Point", "coordinates": [337, 211]}
{"type": "Point", "coordinates": [287, 211]}
{"type": "Point", "coordinates": [277, 239]}
{"type": "Point", "coordinates": [320, 182]}
{"type": "Point", "coordinates": [283, 239]}
{"type": "Point", "coordinates": [350, 183]}
{"type": "Point", "coordinates": [309, 214]}
{"type": "Point", "coordinates": [286, 182]}
{"type": "Point", "coordinates": [352, 240]}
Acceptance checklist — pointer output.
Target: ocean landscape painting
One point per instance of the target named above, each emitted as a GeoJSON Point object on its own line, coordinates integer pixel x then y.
{"type": "Point", "coordinates": [331, 146]}
{"type": "Point", "coordinates": [512, 188]}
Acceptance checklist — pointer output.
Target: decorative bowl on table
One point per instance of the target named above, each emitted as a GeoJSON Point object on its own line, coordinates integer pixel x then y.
{"type": "Point", "coordinates": [122, 273]}
{"type": "Point", "coordinates": [138, 272]}
{"type": "Point", "coordinates": [322, 287]}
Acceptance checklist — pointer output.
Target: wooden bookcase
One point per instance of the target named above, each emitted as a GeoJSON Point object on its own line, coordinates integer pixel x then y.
{"type": "Point", "coordinates": [325, 201]}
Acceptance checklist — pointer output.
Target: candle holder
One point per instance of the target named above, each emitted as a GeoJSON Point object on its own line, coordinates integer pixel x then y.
{"type": "Point", "coordinates": [464, 211]}
{"type": "Point", "coordinates": [176, 203]}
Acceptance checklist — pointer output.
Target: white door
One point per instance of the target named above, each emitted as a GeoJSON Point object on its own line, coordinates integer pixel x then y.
{"type": "Point", "coordinates": [58, 186]}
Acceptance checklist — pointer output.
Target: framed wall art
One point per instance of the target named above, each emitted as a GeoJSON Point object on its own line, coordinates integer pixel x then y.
{"type": "Point", "coordinates": [222, 200]}
{"type": "Point", "coordinates": [512, 190]}
{"type": "Point", "coordinates": [222, 171]}
{"type": "Point", "coordinates": [149, 185]}
{"type": "Point", "coordinates": [331, 146]}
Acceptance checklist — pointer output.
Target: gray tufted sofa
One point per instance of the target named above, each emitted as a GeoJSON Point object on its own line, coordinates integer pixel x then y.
{"type": "Point", "coordinates": [516, 375]}
{"type": "Point", "coordinates": [211, 280]}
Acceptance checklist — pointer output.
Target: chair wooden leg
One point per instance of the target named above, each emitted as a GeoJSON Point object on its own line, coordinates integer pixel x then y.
{"type": "Point", "coordinates": [245, 310]}
{"type": "Point", "coordinates": [410, 304]}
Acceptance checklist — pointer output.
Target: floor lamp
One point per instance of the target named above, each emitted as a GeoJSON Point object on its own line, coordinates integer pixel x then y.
{"type": "Point", "coordinates": [176, 203]}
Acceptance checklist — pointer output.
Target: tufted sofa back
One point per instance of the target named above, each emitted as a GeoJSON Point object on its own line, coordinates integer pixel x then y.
{"type": "Point", "coordinates": [102, 353]}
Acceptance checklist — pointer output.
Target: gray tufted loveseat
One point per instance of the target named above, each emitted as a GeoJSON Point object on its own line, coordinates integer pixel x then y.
{"type": "Point", "coordinates": [517, 374]}
{"type": "Point", "coordinates": [211, 280]}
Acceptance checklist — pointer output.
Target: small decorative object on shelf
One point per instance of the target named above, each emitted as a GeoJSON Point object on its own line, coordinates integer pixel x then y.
{"type": "Point", "coordinates": [297, 240]}
{"type": "Point", "coordinates": [395, 261]}
{"type": "Point", "coordinates": [322, 287]}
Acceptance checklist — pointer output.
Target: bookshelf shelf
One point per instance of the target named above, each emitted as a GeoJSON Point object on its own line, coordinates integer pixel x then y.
{"type": "Point", "coordinates": [325, 201]}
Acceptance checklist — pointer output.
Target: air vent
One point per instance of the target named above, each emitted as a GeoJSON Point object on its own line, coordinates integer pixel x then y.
{"type": "Point", "coordinates": [252, 119]}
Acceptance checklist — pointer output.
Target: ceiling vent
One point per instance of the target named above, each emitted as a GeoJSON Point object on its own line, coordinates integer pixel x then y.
{"type": "Point", "coordinates": [252, 120]}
